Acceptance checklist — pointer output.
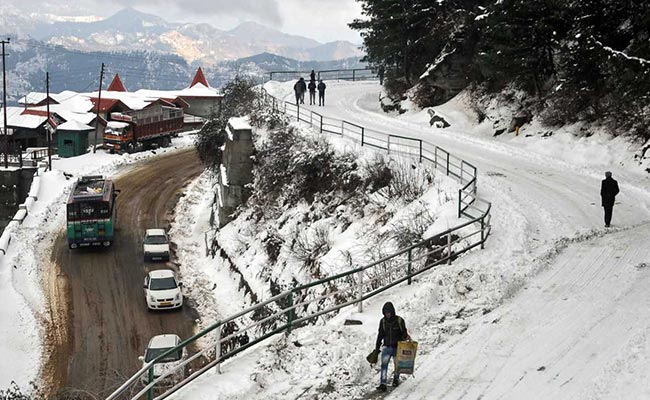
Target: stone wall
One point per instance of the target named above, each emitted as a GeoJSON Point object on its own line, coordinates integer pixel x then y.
{"type": "Point", "coordinates": [14, 189]}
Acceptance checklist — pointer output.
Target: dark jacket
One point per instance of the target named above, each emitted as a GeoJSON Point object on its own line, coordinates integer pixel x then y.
{"type": "Point", "coordinates": [608, 191]}
{"type": "Point", "coordinates": [312, 75]}
{"type": "Point", "coordinates": [321, 87]}
{"type": "Point", "coordinates": [300, 86]}
{"type": "Point", "coordinates": [391, 330]}
{"type": "Point", "coordinates": [312, 86]}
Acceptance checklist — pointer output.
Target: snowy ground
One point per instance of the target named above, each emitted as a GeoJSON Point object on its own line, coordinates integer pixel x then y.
{"type": "Point", "coordinates": [554, 307]}
{"type": "Point", "coordinates": [25, 310]}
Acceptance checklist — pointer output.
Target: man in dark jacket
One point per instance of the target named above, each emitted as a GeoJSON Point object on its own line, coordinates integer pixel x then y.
{"type": "Point", "coordinates": [392, 329]}
{"type": "Point", "coordinates": [321, 93]}
{"type": "Point", "coordinates": [303, 89]}
{"type": "Point", "coordinates": [312, 92]}
{"type": "Point", "coordinates": [608, 192]}
{"type": "Point", "coordinates": [296, 90]}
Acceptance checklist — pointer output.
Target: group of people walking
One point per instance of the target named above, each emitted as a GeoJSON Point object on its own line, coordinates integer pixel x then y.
{"type": "Point", "coordinates": [301, 87]}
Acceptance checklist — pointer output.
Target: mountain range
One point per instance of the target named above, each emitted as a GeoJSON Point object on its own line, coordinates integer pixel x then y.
{"type": "Point", "coordinates": [198, 44]}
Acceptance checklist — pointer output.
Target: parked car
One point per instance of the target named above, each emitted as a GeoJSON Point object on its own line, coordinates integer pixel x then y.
{"type": "Point", "coordinates": [156, 245]}
{"type": "Point", "coordinates": [162, 290]}
{"type": "Point", "coordinates": [157, 346]}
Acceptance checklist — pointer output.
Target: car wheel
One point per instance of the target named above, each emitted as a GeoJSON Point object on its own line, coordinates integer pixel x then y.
{"type": "Point", "coordinates": [73, 246]}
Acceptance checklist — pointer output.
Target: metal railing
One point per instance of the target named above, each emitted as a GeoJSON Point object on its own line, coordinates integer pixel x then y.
{"type": "Point", "coordinates": [350, 74]}
{"type": "Point", "coordinates": [306, 303]}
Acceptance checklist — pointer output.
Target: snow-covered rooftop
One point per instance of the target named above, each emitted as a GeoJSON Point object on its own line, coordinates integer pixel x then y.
{"type": "Point", "coordinates": [15, 118]}
{"type": "Point", "coordinates": [73, 125]}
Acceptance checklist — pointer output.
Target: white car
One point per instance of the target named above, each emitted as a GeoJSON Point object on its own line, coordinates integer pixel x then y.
{"type": "Point", "coordinates": [162, 290]}
{"type": "Point", "coordinates": [156, 245]}
{"type": "Point", "coordinates": [157, 346]}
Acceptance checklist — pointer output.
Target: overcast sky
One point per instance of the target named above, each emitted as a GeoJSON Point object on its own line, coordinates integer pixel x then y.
{"type": "Point", "coordinates": [323, 20]}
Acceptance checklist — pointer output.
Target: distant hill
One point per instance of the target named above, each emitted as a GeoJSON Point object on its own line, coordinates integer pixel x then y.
{"type": "Point", "coordinates": [198, 44]}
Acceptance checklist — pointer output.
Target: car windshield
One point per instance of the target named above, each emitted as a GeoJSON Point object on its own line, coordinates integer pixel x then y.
{"type": "Point", "coordinates": [162, 284]}
{"type": "Point", "coordinates": [157, 239]}
{"type": "Point", "coordinates": [150, 354]}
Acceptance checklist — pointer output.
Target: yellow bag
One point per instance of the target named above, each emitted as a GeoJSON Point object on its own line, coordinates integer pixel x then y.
{"type": "Point", "coordinates": [405, 360]}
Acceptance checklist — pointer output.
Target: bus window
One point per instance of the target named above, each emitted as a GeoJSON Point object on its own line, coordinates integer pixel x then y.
{"type": "Point", "coordinates": [72, 212]}
{"type": "Point", "coordinates": [104, 210]}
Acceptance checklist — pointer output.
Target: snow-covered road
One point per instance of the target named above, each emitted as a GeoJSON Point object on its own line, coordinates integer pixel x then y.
{"type": "Point", "coordinates": [576, 325]}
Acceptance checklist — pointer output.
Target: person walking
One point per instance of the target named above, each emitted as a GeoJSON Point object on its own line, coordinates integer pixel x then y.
{"type": "Point", "coordinates": [321, 92]}
{"type": "Point", "coordinates": [312, 92]}
{"type": "Point", "coordinates": [392, 329]}
{"type": "Point", "coordinates": [312, 76]}
{"type": "Point", "coordinates": [608, 192]}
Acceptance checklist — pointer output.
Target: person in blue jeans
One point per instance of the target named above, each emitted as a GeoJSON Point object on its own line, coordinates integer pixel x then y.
{"type": "Point", "coordinates": [392, 329]}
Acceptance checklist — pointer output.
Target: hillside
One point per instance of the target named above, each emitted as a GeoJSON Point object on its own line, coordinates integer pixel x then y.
{"type": "Point", "coordinates": [132, 30]}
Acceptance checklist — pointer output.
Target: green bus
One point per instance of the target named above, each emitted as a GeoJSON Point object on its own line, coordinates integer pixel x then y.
{"type": "Point", "coordinates": [91, 212]}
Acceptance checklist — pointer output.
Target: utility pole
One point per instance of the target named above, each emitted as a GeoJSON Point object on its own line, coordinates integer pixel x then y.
{"type": "Point", "coordinates": [99, 102]}
{"type": "Point", "coordinates": [4, 102]}
{"type": "Point", "coordinates": [48, 126]}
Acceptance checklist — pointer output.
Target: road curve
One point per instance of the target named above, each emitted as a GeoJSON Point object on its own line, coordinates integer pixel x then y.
{"type": "Point", "coordinates": [100, 322]}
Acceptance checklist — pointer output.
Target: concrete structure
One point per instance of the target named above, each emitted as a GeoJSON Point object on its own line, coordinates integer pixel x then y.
{"type": "Point", "coordinates": [236, 169]}
{"type": "Point", "coordinates": [72, 138]}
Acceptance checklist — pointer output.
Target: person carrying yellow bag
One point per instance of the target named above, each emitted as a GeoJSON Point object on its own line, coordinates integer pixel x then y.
{"type": "Point", "coordinates": [392, 329]}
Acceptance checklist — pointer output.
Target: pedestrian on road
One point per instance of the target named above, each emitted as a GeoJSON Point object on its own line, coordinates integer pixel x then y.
{"type": "Point", "coordinates": [312, 92]}
{"type": "Point", "coordinates": [392, 329]}
{"type": "Point", "coordinates": [312, 76]}
{"type": "Point", "coordinates": [608, 192]}
{"type": "Point", "coordinates": [321, 93]}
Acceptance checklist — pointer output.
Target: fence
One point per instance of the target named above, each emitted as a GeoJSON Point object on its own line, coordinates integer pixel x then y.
{"type": "Point", "coordinates": [306, 303]}
{"type": "Point", "coordinates": [352, 74]}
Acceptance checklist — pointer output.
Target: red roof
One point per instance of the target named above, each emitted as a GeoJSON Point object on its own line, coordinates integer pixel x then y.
{"type": "Point", "coordinates": [116, 85]}
{"type": "Point", "coordinates": [107, 104]}
{"type": "Point", "coordinates": [40, 113]}
{"type": "Point", "coordinates": [199, 78]}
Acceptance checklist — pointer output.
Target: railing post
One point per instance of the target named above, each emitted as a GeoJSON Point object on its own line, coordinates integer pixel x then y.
{"type": "Point", "coordinates": [483, 232]}
{"type": "Point", "coordinates": [410, 266]}
{"type": "Point", "coordinates": [353, 75]}
{"type": "Point", "coordinates": [217, 349]}
{"type": "Point", "coordinates": [435, 157]}
{"type": "Point", "coordinates": [449, 248]}
{"type": "Point", "coordinates": [462, 162]}
{"type": "Point", "coordinates": [149, 380]}
{"type": "Point", "coordinates": [285, 107]}
{"type": "Point", "coordinates": [311, 118]}
{"type": "Point", "coordinates": [290, 312]}
{"type": "Point", "coordinates": [360, 307]}
{"type": "Point", "coordinates": [388, 145]}
{"type": "Point", "coordinates": [298, 111]}
{"type": "Point", "coordinates": [342, 127]}
{"type": "Point", "coordinates": [270, 76]}
{"type": "Point", "coordinates": [460, 201]}
{"type": "Point", "coordinates": [362, 135]}
{"type": "Point", "coordinates": [447, 163]}
{"type": "Point", "coordinates": [420, 151]}
{"type": "Point", "coordinates": [321, 122]}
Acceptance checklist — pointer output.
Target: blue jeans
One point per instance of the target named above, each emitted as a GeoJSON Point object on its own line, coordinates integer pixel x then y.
{"type": "Point", "coordinates": [386, 354]}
